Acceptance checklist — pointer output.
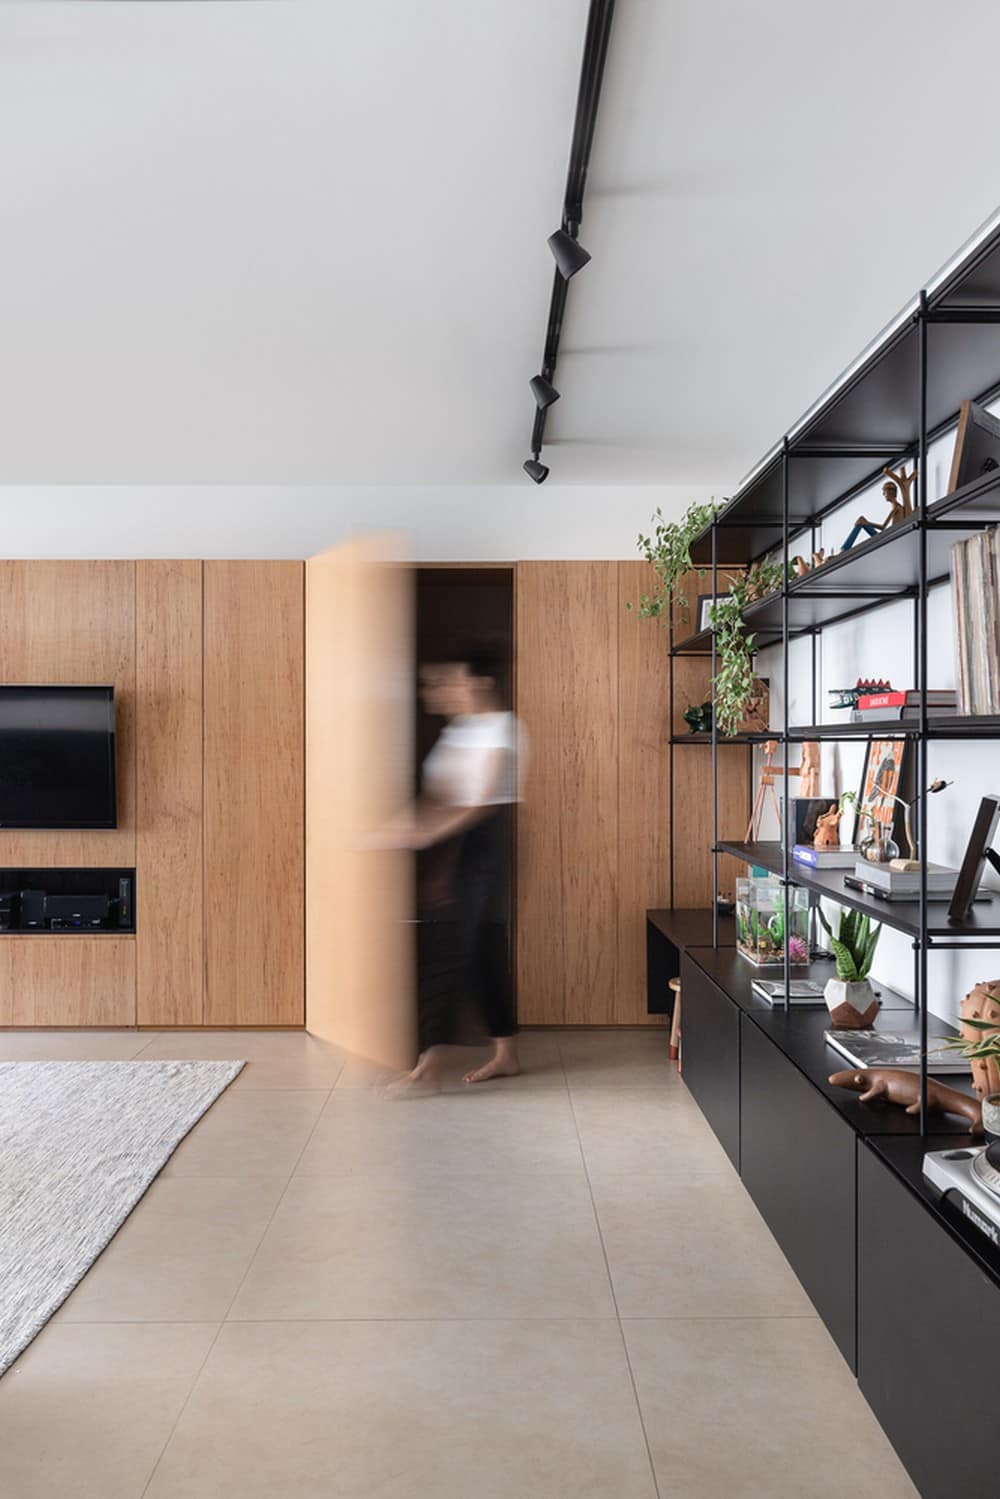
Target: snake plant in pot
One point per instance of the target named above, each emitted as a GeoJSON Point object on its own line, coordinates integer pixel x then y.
{"type": "Point", "coordinates": [849, 996]}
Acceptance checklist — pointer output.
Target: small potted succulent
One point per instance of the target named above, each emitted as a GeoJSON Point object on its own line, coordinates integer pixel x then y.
{"type": "Point", "coordinates": [849, 996]}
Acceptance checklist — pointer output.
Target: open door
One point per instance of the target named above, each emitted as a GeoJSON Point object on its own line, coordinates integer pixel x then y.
{"type": "Point", "coordinates": [359, 771]}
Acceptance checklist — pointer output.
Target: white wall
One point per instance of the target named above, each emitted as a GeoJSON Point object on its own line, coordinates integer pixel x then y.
{"type": "Point", "coordinates": [444, 524]}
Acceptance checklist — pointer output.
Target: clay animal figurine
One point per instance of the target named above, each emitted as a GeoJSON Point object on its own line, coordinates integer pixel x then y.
{"type": "Point", "coordinates": [982, 1003]}
{"type": "Point", "coordinates": [801, 566]}
{"type": "Point", "coordinates": [819, 557]}
{"type": "Point", "coordinates": [828, 829]}
{"type": "Point", "coordinates": [903, 1088]}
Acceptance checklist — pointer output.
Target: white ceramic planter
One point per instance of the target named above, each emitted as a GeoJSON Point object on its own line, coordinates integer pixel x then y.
{"type": "Point", "coordinates": [853, 1007]}
{"type": "Point", "coordinates": [991, 1115]}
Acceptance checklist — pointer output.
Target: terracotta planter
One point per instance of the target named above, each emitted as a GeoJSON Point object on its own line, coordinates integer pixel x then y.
{"type": "Point", "coordinates": [852, 1006]}
{"type": "Point", "coordinates": [982, 1003]}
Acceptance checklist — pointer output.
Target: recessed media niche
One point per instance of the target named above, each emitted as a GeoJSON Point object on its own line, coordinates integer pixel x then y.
{"type": "Point", "coordinates": [47, 901]}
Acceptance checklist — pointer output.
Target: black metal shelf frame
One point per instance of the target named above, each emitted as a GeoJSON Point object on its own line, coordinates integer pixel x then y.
{"type": "Point", "coordinates": [897, 399]}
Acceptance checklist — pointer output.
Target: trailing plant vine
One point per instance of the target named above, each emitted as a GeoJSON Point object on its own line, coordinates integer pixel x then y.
{"type": "Point", "coordinates": [736, 682]}
{"type": "Point", "coordinates": [668, 552]}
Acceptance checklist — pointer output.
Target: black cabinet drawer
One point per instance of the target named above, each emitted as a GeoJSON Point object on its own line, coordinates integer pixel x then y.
{"type": "Point", "coordinates": [797, 1162]}
{"type": "Point", "coordinates": [710, 1042]}
{"type": "Point", "coordinates": [928, 1331]}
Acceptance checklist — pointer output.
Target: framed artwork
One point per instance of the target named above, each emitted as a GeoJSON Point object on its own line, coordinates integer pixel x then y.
{"type": "Point", "coordinates": [980, 848]}
{"type": "Point", "coordinates": [806, 812]}
{"type": "Point", "coordinates": [705, 602]}
{"type": "Point", "coordinates": [885, 775]}
{"type": "Point", "coordinates": [977, 446]}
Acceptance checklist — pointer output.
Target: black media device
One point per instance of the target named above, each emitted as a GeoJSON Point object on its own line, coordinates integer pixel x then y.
{"type": "Point", "coordinates": [976, 854]}
{"type": "Point", "coordinates": [57, 757]}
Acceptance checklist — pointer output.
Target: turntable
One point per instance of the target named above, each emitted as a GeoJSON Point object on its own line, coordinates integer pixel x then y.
{"type": "Point", "coordinates": [969, 1178]}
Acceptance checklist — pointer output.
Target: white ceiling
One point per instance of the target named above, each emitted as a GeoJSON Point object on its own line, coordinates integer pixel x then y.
{"type": "Point", "coordinates": [303, 241]}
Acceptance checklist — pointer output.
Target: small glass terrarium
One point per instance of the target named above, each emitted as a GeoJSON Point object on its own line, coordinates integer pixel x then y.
{"type": "Point", "coordinates": [760, 922]}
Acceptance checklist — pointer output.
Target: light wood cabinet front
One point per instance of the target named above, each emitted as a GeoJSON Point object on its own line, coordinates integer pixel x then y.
{"type": "Point", "coordinates": [254, 798]}
{"type": "Point", "coordinates": [67, 981]}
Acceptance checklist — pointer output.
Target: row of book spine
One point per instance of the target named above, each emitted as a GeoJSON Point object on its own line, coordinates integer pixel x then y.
{"type": "Point", "coordinates": [975, 570]}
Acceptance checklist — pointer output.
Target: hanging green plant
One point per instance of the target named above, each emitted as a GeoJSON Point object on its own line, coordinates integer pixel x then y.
{"type": "Point", "coordinates": [736, 683]}
{"type": "Point", "coordinates": [668, 551]}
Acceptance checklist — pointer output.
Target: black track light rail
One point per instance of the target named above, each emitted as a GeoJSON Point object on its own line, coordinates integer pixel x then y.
{"type": "Point", "coordinates": [595, 52]}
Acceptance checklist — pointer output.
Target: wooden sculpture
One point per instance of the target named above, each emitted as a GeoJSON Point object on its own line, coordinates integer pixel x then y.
{"type": "Point", "coordinates": [828, 829]}
{"type": "Point", "coordinates": [982, 1003]}
{"type": "Point", "coordinates": [809, 769]}
{"type": "Point", "coordinates": [770, 774]}
{"type": "Point", "coordinates": [903, 1088]}
{"type": "Point", "coordinates": [819, 557]}
{"type": "Point", "coordinates": [896, 493]}
{"type": "Point", "coordinates": [801, 566]}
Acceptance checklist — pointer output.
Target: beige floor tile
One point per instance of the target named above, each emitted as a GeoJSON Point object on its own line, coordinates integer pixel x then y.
{"type": "Point", "coordinates": [275, 1059]}
{"type": "Point", "coordinates": [257, 1133]}
{"type": "Point", "coordinates": [398, 1246]}
{"type": "Point", "coordinates": [628, 1059]}
{"type": "Point", "coordinates": [475, 1131]}
{"type": "Point", "coordinates": [540, 1060]}
{"type": "Point", "coordinates": [85, 1411]}
{"type": "Point", "coordinates": [692, 1248]}
{"type": "Point", "coordinates": [70, 1046]}
{"type": "Point", "coordinates": [181, 1255]}
{"type": "Point", "coordinates": [744, 1409]}
{"type": "Point", "coordinates": [657, 1129]}
{"type": "Point", "coordinates": [456, 1410]}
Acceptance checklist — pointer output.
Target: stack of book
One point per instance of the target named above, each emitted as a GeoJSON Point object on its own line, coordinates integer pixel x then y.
{"type": "Point", "coordinates": [893, 884]}
{"type": "Point", "coordinates": [824, 858]}
{"type": "Point", "coordinates": [975, 571]}
{"type": "Point", "coordinates": [880, 706]}
{"type": "Point", "coordinates": [872, 1048]}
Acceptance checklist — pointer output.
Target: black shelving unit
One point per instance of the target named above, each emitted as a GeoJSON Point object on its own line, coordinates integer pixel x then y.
{"type": "Point", "coordinates": [900, 395]}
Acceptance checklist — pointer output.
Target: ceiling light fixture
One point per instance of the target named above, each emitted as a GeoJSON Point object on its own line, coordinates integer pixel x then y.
{"type": "Point", "coordinates": [536, 470]}
{"type": "Point", "coordinates": [543, 391]}
{"type": "Point", "coordinates": [567, 251]}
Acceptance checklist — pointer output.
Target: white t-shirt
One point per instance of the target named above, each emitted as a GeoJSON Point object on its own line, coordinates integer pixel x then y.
{"type": "Point", "coordinates": [461, 770]}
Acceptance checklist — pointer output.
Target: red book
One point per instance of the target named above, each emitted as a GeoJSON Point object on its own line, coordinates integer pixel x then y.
{"type": "Point", "coordinates": [881, 700]}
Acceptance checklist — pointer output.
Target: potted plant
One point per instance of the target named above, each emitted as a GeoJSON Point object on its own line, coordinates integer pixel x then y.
{"type": "Point", "coordinates": [849, 996]}
{"type": "Point", "coordinates": [979, 1018]}
{"type": "Point", "coordinates": [668, 552]}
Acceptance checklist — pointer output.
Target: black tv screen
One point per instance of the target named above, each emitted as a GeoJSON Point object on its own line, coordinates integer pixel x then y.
{"type": "Point", "coordinates": [57, 757]}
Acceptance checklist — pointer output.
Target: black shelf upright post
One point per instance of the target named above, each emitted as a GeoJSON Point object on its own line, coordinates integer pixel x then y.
{"type": "Point", "coordinates": [715, 748]}
{"type": "Point", "coordinates": [921, 664]}
{"type": "Point", "coordinates": [785, 866]}
{"type": "Point", "coordinates": [670, 736]}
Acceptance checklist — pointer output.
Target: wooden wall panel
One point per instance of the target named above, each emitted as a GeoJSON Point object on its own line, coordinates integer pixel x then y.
{"type": "Point", "coordinates": [170, 888]}
{"type": "Point", "coordinates": [74, 623]}
{"type": "Point", "coordinates": [359, 772]}
{"type": "Point", "coordinates": [643, 789]}
{"type": "Point", "coordinates": [254, 793]}
{"type": "Point", "coordinates": [567, 883]}
{"type": "Point", "coordinates": [67, 981]}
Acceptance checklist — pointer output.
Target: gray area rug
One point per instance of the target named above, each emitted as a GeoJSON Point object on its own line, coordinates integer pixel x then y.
{"type": "Point", "coordinates": [79, 1144]}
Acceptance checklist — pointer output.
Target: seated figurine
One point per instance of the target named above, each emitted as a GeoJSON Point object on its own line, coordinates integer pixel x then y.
{"type": "Point", "coordinates": [900, 509]}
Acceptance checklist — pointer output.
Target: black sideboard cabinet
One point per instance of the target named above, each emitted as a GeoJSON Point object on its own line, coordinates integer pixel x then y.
{"type": "Point", "coordinates": [909, 1293]}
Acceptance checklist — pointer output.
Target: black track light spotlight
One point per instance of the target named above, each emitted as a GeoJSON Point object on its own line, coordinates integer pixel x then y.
{"type": "Point", "coordinates": [569, 254]}
{"type": "Point", "coordinates": [536, 470]}
{"type": "Point", "coordinates": [543, 391]}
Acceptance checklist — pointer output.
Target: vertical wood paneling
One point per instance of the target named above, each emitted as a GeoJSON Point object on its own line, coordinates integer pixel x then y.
{"type": "Point", "coordinates": [643, 788]}
{"type": "Point", "coordinates": [169, 890]}
{"type": "Point", "coordinates": [254, 790]}
{"type": "Point", "coordinates": [74, 623]}
{"type": "Point", "coordinates": [567, 691]}
{"type": "Point", "coordinates": [359, 771]}
{"type": "Point", "coordinates": [67, 981]}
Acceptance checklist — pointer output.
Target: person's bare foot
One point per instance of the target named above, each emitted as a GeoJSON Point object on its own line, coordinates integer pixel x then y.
{"type": "Point", "coordinates": [503, 1063]}
{"type": "Point", "coordinates": [423, 1080]}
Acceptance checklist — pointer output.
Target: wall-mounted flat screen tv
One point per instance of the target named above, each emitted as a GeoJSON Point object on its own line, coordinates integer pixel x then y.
{"type": "Point", "coordinates": [57, 757]}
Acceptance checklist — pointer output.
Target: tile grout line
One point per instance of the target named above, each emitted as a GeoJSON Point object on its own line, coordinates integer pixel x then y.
{"type": "Point", "coordinates": [614, 1299]}
{"type": "Point", "coordinates": [232, 1301]}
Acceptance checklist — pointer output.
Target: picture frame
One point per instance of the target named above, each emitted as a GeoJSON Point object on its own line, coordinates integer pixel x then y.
{"type": "Point", "coordinates": [703, 604]}
{"type": "Point", "coordinates": [885, 774]}
{"type": "Point", "coordinates": [977, 446]}
{"type": "Point", "coordinates": [806, 812]}
{"type": "Point", "coordinates": [978, 850]}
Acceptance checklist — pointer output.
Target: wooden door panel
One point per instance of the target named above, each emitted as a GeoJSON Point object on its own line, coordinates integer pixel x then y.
{"type": "Point", "coordinates": [254, 793]}
{"type": "Point", "coordinates": [67, 981]}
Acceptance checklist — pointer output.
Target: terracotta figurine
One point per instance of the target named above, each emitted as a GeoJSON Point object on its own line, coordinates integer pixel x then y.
{"type": "Point", "coordinates": [819, 557]}
{"type": "Point", "coordinates": [809, 769]}
{"type": "Point", "coordinates": [982, 1003]}
{"type": "Point", "coordinates": [828, 830]}
{"type": "Point", "coordinates": [801, 566]}
{"type": "Point", "coordinates": [903, 1088]}
{"type": "Point", "coordinates": [900, 508]}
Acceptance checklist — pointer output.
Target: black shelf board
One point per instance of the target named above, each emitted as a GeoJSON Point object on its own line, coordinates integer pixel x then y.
{"type": "Point", "coordinates": [939, 726]}
{"type": "Point", "coordinates": [699, 644]}
{"type": "Point", "coordinates": [798, 1034]}
{"type": "Point", "coordinates": [905, 1158]}
{"type": "Point", "coordinates": [757, 737]}
{"type": "Point", "coordinates": [901, 916]}
{"type": "Point", "coordinates": [974, 282]}
{"type": "Point", "coordinates": [691, 926]}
